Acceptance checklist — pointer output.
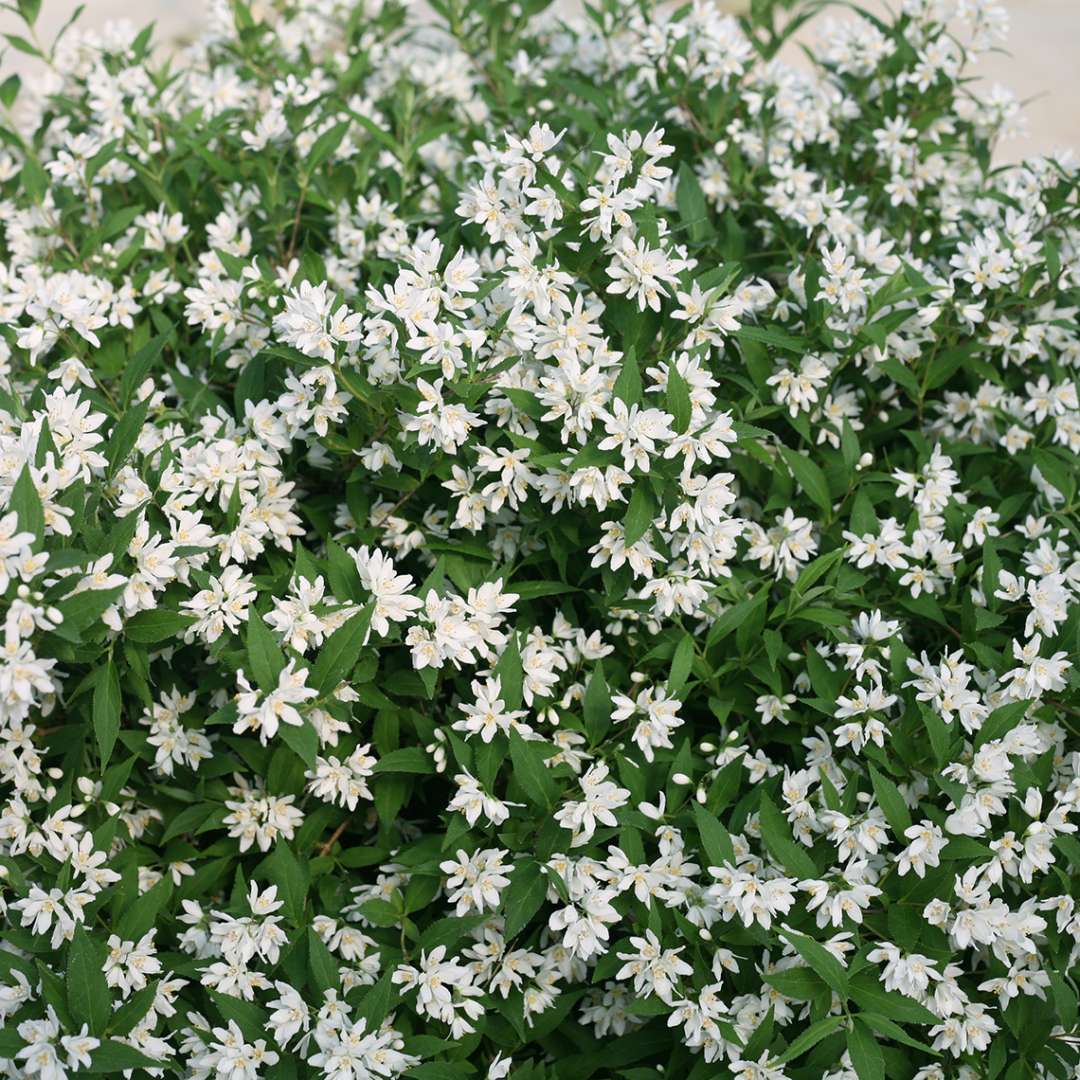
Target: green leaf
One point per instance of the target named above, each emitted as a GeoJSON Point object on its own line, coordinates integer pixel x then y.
{"type": "Point", "coordinates": [820, 960]}
{"type": "Point", "coordinates": [143, 912]}
{"type": "Point", "coordinates": [325, 145]}
{"type": "Point", "coordinates": [523, 896]}
{"type": "Point", "coordinates": [150, 627]}
{"type": "Point", "coordinates": [940, 735]}
{"type": "Point", "coordinates": [726, 786]}
{"type": "Point", "coordinates": [902, 375]}
{"type": "Point", "coordinates": [774, 648]}
{"type": "Point", "coordinates": [639, 515]}
{"type": "Point", "coordinates": [362, 856]}
{"type": "Point", "coordinates": [409, 759]}
{"type": "Point", "coordinates": [986, 620]}
{"type": "Point", "coordinates": [891, 802]}
{"type": "Point", "coordinates": [511, 674]}
{"type": "Point", "coordinates": [597, 706]}
{"type": "Point", "coordinates": [733, 618]}
{"type": "Point", "coordinates": [378, 1001]}
{"type": "Point", "coordinates": [895, 1032]}
{"type": "Point", "coordinates": [116, 1057]}
{"type": "Point", "coordinates": [526, 401]}
{"type": "Point", "coordinates": [341, 651]}
{"type": "Point", "coordinates": [127, 1017]}
{"type": "Point", "coordinates": [715, 839]}
{"type": "Point", "coordinates": [863, 519]}
{"type": "Point", "coordinates": [290, 876]}
{"type": "Point", "coordinates": [681, 663]}
{"type": "Point", "coordinates": [323, 967]}
{"type": "Point", "coordinates": [533, 590]}
{"type": "Point", "coordinates": [768, 335]}
{"type": "Point", "coordinates": [88, 993]}
{"type": "Point", "coordinates": [991, 573]}
{"type": "Point", "coordinates": [849, 447]}
{"type": "Point", "coordinates": [826, 683]}
{"type": "Point", "coordinates": [1065, 1001]}
{"type": "Point", "coordinates": [265, 658]}
{"type": "Point", "coordinates": [1000, 722]}
{"type": "Point", "coordinates": [967, 847]}
{"type": "Point", "coordinates": [29, 10]}
{"type": "Point", "coordinates": [678, 399]}
{"type": "Point", "coordinates": [106, 711]}
{"type": "Point", "coordinates": [52, 990]}
{"type": "Point", "coordinates": [693, 210]}
{"type": "Point", "coordinates": [763, 1035]}
{"type": "Point", "coordinates": [20, 44]}
{"type": "Point", "coordinates": [421, 892]}
{"type": "Point", "coordinates": [531, 772]}
{"type": "Point", "coordinates": [84, 609]}
{"type": "Point", "coordinates": [26, 503]}
{"type": "Point", "coordinates": [249, 387]}
{"type": "Point", "coordinates": [869, 994]}
{"type": "Point", "coordinates": [809, 476]}
{"type": "Point", "coordinates": [380, 913]}
{"type": "Point", "coordinates": [814, 571]}
{"type": "Point", "coordinates": [302, 740]}
{"type": "Point", "coordinates": [810, 1037]}
{"type": "Point", "coordinates": [776, 833]}
{"type": "Point", "coordinates": [748, 632]}
{"type": "Point", "coordinates": [249, 1017]}
{"type": "Point", "coordinates": [628, 383]}
{"type": "Point", "coordinates": [799, 983]}
{"type": "Point", "coordinates": [342, 572]}
{"type": "Point", "coordinates": [33, 178]}
{"type": "Point", "coordinates": [438, 1070]}
{"type": "Point", "coordinates": [866, 1058]}
{"type": "Point", "coordinates": [140, 366]}
{"type": "Point", "coordinates": [125, 435]}
{"type": "Point", "coordinates": [391, 790]}
{"type": "Point", "coordinates": [449, 931]}
{"type": "Point", "coordinates": [1056, 472]}
{"type": "Point", "coordinates": [9, 90]}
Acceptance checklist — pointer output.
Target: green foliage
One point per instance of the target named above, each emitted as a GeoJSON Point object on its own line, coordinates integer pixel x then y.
{"type": "Point", "coordinates": [535, 547]}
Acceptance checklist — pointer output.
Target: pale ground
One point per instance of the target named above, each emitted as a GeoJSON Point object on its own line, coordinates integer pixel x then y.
{"type": "Point", "coordinates": [1043, 68]}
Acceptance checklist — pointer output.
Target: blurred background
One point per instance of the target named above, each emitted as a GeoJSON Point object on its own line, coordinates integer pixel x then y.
{"type": "Point", "coordinates": [1042, 66]}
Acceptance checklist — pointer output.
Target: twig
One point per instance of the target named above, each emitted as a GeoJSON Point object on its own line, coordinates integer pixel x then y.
{"type": "Point", "coordinates": [295, 225]}
{"type": "Point", "coordinates": [335, 836]}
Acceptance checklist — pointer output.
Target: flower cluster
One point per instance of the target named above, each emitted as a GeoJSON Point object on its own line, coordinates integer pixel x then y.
{"type": "Point", "coordinates": [536, 546]}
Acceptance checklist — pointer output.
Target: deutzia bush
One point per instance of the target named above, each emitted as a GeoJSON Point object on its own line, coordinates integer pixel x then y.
{"type": "Point", "coordinates": [538, 547]}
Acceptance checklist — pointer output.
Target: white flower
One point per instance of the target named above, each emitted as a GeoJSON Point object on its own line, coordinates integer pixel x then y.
{"type": "Point", "coordinates": [343, 782]}
{"type": "Point", "coordinates": [389, 589]}
{"type": "Point", "coordinates": [223, 605]}
{"type": "Point", "coordinates": [489, 715]}
{"type": "Point", "coordinates": [265, 713]}
{"type": "Point", "coordinates": [129, 963]}
{"type": "Point", "coordinates": [475, 881]}
{"type": "Point", "coordinates": [600, 798]}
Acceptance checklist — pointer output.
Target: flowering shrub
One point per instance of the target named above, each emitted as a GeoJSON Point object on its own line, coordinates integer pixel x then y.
{"type": "Point", "coordinates": [536, 547]}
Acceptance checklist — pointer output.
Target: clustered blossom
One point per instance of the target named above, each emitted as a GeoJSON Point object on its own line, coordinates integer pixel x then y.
{"type": "Point", "coordinates": [536, 547]}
